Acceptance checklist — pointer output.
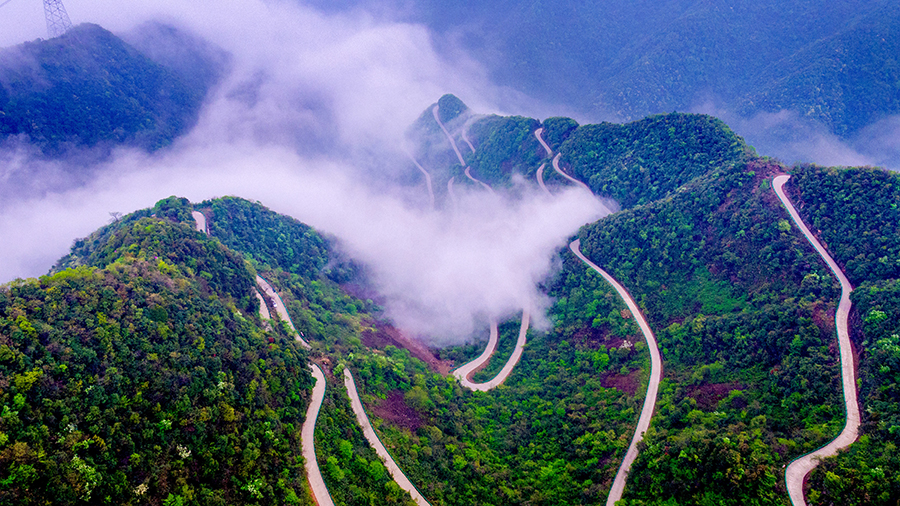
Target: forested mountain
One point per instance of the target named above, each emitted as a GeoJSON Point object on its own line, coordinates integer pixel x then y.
{"type": "Point", "coordinates": [140, 370]}
{"type": "Point", "coordinates": [88, 88]}
{"type": "Point", "coordinates": [832, 62]}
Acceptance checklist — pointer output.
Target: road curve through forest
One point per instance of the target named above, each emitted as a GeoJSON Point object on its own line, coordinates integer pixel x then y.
{"type": "Point", "coordinates": [539, 135]}
{"type": "Point", "coordinates": [307, 432]}
{"type": "Point", "coordinates": [796, 472]}
{"type": "Point", "coordinates": [464, 372]}
{"type": "Point", "coordinates": [478, 181]}
{"type": "Point", "coordinates": [618, 486]}
{"type": "Point", "coordinates": [307, 440]}
{"type": "Point", "coordinates": [434, 112]}
{"type": "Point", "coordinates": [563, 174]}
{"type": "Point", "coordinates": [540, 178]}
{"type": "Point", "coordinates": [465, 137]}
{"type": "Point", "coordinates": [643, 423]}
{"type": "Point", "coordinates": [427, 177]}
{"type": "Point", "coordinates": [375, 442]}
{"type": "Point", "coordinates": [279, 308]}
{"type": "Point", "coordinates": [200, 222]}
{"type": "Point", "coordinates": [540, 172]}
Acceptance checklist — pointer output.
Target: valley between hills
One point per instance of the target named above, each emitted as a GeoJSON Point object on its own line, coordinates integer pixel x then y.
{"type": "Point", "coordinates": [725, 330]}
{"type": "Point", "coordinates": [694, 355]}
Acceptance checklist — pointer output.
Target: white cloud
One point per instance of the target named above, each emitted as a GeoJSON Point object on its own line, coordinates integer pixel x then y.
{"type": "Point", "coordinates": [306, 89]}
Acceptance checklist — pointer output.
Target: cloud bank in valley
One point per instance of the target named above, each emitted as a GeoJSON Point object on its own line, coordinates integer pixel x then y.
{"type": "Point", "coordinates": [308, 122]}
{"type": "Point", "coordinates": [442, 272]}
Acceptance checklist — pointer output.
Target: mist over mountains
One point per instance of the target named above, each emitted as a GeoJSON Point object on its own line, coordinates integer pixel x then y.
{"type": "Point", "coordinates": [313, 94]}
{"type": "Point", "coordinates": [408, 175]}
{"type": "Point", "coordinates": [818, 73]}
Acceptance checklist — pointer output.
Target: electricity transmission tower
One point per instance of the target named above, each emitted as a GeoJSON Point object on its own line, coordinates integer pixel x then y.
{"type": "Point", "coordinates": [58, 21]}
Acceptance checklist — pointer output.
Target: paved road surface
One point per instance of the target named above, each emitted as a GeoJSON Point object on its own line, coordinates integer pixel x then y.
{"type": "Point", "coordinates": [427, 178]}
{"type": "Point", "coordinates": [279, 308]}
{"type": "Point", "coordinates": [200, 222]}
{"type": "Point", "coordinates": [540, 177]}
{"type": "Point", "coordinates": [434, 111]}
{"type": "Point", "coordinates": [468, 369]}
{"type": "Point", "coordinates": [796, 472]}
{"type": "Point", "coordinates": [539, 134]}
{"type": "Point", "coordinates": [478, 181]}
{"type": "Point", "coordinates": [316, 484]}
{"type": "Point", "coordinates": [618, 486]}
{"type": "Point", "coordinates": [307, 440]}
{"type": "Point", "coordinates": [563, 174]}
{"type": "Point", "coordinates": [263, 308]}
{"type": "Point", "coordinates": [465, 137]}
{"type": "Point", "coordinates": [382, 452]}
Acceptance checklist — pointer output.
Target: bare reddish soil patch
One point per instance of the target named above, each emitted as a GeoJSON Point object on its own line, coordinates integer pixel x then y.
{"type": "Point", "coordinates": [709, 394]}
{"type": "Point", "coordinates": [823, 317]}
{"type": "Point", "coordinates": [387, 335]}
{"type": "Point", "coordinates": [627, 383]}
{"type": "Point", "coordinates": [394, 410]}
{"type": "Point", "coordinates": [589, 337]}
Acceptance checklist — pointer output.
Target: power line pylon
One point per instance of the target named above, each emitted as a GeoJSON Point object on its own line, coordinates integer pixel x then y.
{"type": "Point", "coordinates": [58, 21]}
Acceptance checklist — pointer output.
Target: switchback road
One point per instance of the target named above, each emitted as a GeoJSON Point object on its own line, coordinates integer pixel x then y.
{"type": "Point", "coordinates": [464, 372]}
{"type": "Point", "coordinates": [279, 308]}
{"type": "Point", "coordinates": [563, 174]}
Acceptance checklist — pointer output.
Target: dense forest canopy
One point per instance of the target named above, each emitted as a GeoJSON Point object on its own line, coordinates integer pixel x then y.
{"type": "Point", "coordinates": [89, 87]}
{"type": "Point", "coordinates": [140, 371]}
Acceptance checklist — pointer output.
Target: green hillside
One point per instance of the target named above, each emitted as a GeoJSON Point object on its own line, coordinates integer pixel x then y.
{"type": "Point", "coordinates": [741, 306]}
{"type": "Point", "coordinates": [140, 371]}
{"type": "Point", "coordinates": [87, 88]}
{"type": "Point", "coordinates": [148, 380]}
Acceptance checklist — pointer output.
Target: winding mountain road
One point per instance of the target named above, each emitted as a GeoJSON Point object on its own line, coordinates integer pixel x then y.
{"type": "Point", "coordinates": [463, 373]}
{"type": "Point", "coordinates": [478, 181]}
{"type": "Point", "coordinates": [563, 174]}
{"type": "Point", "coordinates": [280, 309]}
{"type": "Point", "coordinates": [427, 177]}
{"type": "Point", "coordinates": [434, 112]}
{"type": "Point", "coordinates": [201, 226]}
{"type": "Point", "coordinates": [376, 443]}
{"type": "Point", "coordinates": [465, 137]}
{"type": "Point", "coordinates": [618, 486]}
{"type": "Point", "coordinates": [539, 134]}
{"type": "Point", "coordinates": [540, 172]}
{"type": "Point", "coordinates": [796, 472]}
{"type": "Point", "coordinates": [200, 222]}
{"type": "Point", "coordinates": [307, 440]}
{"type": "Point", "coordinates": [307, 432]}
{"type": "Point", "coordinates": [643, 424]}
{"type": "Point", "coordinates": [540, 178]}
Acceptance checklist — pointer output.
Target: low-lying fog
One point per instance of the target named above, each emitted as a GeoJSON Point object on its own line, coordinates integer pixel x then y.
{"type": "Point", "coordinates": [309, 122]}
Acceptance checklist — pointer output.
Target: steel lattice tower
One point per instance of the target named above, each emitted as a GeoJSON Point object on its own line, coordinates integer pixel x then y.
{"type": "Point", "coordinates": [58, 21]}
